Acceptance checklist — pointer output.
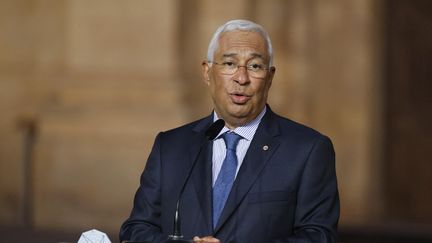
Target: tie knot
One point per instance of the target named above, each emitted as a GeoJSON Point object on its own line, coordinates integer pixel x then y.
{"type": "Point", "coordinates": [231, 140]}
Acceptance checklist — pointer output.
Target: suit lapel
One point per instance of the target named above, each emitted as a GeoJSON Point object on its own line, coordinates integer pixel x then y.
{"type": "Point", "coordinates": [202, 173]}
{"type": "Point", "coordinates": [260, 151]}
{"type": "Point", "coordinates": [202, 178]}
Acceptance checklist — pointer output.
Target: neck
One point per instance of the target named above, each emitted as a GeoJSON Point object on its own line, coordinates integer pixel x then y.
{"type": "Point", "coordinates": [234, 122]}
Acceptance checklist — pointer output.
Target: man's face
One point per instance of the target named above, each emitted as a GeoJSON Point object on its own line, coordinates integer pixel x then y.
{"type": "Point", "coordinates": [238, 98]}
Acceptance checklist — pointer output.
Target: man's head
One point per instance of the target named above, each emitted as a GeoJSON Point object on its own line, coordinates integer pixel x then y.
{"type": "Point", "coordinates": [239, 71]}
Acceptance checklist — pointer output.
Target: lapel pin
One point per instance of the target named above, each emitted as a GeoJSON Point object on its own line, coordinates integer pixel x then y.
{"type": "Point", "coordinates": [265, 147]}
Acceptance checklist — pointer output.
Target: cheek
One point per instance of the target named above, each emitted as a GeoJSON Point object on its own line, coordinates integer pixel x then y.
{"type": "Point", "coordinates": [262, 89]}
{"type": "Point", "coordinates": [217, 90]}
{"type": "Point", "coordinates": [218, 85]}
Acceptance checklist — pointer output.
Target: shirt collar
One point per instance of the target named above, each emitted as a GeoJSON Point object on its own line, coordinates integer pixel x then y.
{"type": "Point", "coordinates": [247, 131]}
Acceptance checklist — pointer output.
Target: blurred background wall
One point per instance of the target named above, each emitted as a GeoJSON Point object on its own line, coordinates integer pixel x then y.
{"type": "Point", "coordinates": [86, 85]}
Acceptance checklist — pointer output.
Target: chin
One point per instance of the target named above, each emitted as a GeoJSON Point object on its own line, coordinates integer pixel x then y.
{"type": "Point", "coordinates": [239, 110]}
{"type": "Point", "coordinates": [240, 115]}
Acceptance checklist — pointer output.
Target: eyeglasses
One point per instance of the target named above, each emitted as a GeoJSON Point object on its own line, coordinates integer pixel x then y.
{"type": "Point", "coordinates": [256, 70]}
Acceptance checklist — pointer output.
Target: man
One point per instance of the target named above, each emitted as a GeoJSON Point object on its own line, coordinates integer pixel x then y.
{"type": "Point", "coordinates": [264, 178]}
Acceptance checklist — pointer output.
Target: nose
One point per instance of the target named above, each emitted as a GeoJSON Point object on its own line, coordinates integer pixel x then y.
{"type": "Point", "coordinates": [242, 76]}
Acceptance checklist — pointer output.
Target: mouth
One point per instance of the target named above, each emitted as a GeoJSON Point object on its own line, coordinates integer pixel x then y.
{"type": "Point", "coordinates": [239, 98]}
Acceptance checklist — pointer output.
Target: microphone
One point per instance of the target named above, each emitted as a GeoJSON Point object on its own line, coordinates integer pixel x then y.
{"type": "Point", "coordinates": [214, 129]}
{"type": "Point", "coordinates": [210, 134]}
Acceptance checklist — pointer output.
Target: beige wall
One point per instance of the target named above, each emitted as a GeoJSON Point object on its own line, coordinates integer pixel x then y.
{"type": "Point", "coordinates": [101, 78]}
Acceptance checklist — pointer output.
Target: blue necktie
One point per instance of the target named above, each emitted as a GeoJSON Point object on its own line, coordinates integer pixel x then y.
{"type": "Point", "coordinates": [225, 179]}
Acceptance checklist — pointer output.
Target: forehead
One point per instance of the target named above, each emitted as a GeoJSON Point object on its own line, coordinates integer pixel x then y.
{"type": "Point", "coordinates": [242, 42]}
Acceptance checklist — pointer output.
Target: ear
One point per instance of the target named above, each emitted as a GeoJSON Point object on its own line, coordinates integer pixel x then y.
{"type": "Point", "coordinates": [206, 72]}
{"type": "Point", "coordinates": [272, 71]}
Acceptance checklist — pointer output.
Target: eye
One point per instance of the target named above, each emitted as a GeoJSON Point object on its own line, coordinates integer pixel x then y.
{"type": "Point", "coordinates": [229, 64]}
{"type": "Point", "coordinates": [255, 67]}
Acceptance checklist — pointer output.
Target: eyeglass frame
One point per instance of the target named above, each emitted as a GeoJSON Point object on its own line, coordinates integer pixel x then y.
{"type": "Point", "coordinates": [247, 67]}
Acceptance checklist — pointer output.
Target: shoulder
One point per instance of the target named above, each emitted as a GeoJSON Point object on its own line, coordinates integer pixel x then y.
{"type": "Point", "coordinates": [287, 125]}
{"type": "Point", "coordinates": [292, 130]}
{"type": "Point", "coordinates": [300, 140]}
{"type": "Point", "coordinates": [187, 130]}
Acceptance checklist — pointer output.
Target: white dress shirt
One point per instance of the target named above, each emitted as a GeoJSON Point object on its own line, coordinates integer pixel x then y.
{"type": "Point", "coordinates": [247, 133]}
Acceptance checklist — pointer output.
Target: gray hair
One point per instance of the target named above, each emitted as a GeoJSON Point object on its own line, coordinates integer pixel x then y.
{"type": "Point", "coordinates": [239, 24]}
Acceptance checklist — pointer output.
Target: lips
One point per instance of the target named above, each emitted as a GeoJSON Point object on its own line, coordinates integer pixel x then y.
{"type": "Point", "coordinates": [239, 98]}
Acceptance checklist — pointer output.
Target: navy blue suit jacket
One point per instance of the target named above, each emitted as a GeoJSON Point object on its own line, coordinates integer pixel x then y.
{"type": "Point", "coordinates": [286, 193]}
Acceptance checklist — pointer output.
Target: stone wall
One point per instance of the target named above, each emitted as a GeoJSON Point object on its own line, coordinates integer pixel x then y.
{"type": "Point", "coordinates": [98, 80]}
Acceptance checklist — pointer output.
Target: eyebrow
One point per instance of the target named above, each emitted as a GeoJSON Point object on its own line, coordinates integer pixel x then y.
{"type": "Point", "coordinates": [254, 55]}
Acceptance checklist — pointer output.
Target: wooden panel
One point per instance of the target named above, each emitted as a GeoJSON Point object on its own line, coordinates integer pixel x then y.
{"type": "Point", "coordinates": [409, 116]}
